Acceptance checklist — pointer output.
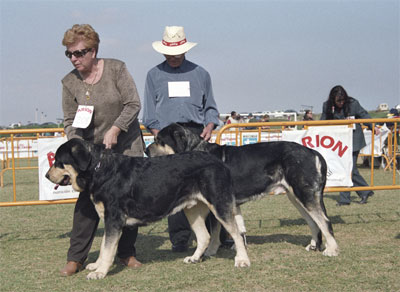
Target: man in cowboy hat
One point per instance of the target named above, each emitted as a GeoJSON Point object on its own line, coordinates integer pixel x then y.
{"type": "Point", "coordinates": [178, 91]}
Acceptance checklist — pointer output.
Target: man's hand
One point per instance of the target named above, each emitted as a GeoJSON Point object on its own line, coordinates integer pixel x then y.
{"type": "Point", "coordinates": [207, 131]}
{"type": "Point", "coordinates": [111, 137]}
{"type": "Point", "coordinates": [154, 132]}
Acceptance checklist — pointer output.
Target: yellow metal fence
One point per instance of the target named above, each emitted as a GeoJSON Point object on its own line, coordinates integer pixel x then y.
{"type": "Point", "coordinates": [13, 163]}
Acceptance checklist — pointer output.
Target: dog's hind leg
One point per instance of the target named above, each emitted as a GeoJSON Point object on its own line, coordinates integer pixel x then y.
{"type": "Point", "coordinates": [316, 241]}
{"type": "Point", "coordinates": [216, 230]}
{"type": "Point", "coordinates": [319, 215]}
{"type": "Point", "coordinates": [229, 223]}
{"type": "Point", "coordinates": [318, 222]}
{"type": "Point", "coordinates": [108, 250]}
{"type": "Point", "coordinates": [241, 258]}
{"type": "Point", "coordinates": [196, 216]}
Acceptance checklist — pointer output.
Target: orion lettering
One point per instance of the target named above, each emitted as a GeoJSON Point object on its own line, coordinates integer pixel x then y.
{"type": "Point", "coordinates": [84, 109]}
{"type": "Point", "coordinates": [327, 142]}
{"type": "Point", "coordinates": [50, 158]}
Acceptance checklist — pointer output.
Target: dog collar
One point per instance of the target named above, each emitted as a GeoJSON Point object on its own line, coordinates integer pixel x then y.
{"type": "Point", "coordinates": [97, 166]}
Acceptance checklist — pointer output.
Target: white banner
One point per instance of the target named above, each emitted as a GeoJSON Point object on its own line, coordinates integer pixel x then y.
{"type": "Point", "coordinates": [335, 145]}
{"type": "Point", "coordinates": [46, 150]}
{"type": "Point", "coordinates": [379, 141]}
{"type": "Point", "coordinates": [26, 148]}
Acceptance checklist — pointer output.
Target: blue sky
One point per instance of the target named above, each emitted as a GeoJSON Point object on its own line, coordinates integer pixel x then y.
{"type": "Point", "coordinates": [262, 55]}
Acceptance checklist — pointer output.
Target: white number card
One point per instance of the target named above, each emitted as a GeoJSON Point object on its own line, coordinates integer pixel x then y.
{"type": "Point", "coordinates": [179, 89]}
{"type": "Point", "coordinates": [83, 116]}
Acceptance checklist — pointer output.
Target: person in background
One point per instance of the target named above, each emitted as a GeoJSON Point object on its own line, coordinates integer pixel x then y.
{"type": "Point", "coordinates": [226, 120]}
{"type": "Point", "coordinates": [340, 106]}
{"type": "Point", "coordinates": [265, 118]}
{"type": "Point", "coordinates": [179, 91]}
{"type": "Point", "coordinates": [251, 119]}
{"type": "Point", "coordinates": [105, 87]}
{"type": "Point", "coordinates": [233, 119]}
{"type": "Point", "coordinates": [308, 115]}
{"type": "Point", "coordinates": [393, 113]}
{"type": "Point", "coordinates": [240, 118]}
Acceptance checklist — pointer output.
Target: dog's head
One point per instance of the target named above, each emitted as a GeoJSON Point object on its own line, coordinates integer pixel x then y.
{"type": "Point", "coordinates": [72, 159]}
{"type": "Point", "coordinates": [173, 139]}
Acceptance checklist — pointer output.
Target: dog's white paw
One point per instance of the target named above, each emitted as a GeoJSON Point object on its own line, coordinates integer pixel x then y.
{"type": "Point", "coordinates": [331, 252]}
{"type": "Point", "coordinates": [242, 263]}
{"type": "Point", "coordinates": [92, 267]}
{"type": "Point", "coordinates": [191, 260]}
{"type": "Point", "coordinates": [95, 276]}
{"type": "Point", "coordinates": [311, 247]}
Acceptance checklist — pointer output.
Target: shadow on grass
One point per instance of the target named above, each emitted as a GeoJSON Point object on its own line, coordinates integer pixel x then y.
{"type": "Point", "coordinates": [301, 240]}
{"type": "Point", "coordinates": [301, 221]}
{"type": "Point", "coordinates": [149, 250]}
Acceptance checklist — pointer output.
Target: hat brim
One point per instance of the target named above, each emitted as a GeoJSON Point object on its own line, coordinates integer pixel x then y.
{"type": "Point", "coordinates": [172, 51]}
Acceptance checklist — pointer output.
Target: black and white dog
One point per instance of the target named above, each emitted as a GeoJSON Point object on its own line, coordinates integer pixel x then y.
{"type": "Point", "coordinates": [136, 191]}
{"type": "Point", "coordinates": [260, 169]}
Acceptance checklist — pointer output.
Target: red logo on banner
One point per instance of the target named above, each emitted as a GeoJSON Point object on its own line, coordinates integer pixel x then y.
{"type": "Point", "coordinates": [325, 142]}
{"type": "Point", "coordinates": [51, 158]}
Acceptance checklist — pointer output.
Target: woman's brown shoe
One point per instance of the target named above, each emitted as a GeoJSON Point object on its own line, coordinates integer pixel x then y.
{"type": "Point", "coordinates": [71, 268]}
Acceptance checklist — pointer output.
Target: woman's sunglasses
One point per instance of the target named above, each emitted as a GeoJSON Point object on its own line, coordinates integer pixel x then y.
{"type": "Point", "coordinates": [77, 54]}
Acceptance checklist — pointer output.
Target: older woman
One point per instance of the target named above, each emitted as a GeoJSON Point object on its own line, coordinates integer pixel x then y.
{"type": "Point", "coordinates": [101, 105]}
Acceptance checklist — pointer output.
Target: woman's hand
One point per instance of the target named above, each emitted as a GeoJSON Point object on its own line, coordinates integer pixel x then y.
{"type": "Point", "coordinates": [111, 137]}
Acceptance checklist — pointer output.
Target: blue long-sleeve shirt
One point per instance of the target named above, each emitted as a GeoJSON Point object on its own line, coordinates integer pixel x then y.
{"type": "Point", "coordinates": [160, 109]}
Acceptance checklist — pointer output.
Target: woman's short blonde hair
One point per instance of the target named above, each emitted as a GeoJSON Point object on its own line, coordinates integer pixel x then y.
{"type": "Point", "coordinates": [83, 32]}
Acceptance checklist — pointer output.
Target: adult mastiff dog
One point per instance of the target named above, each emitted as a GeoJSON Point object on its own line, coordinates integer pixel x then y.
{"type": "Point", "coordinates": [262, 168]}
{"type": "Point", "coordinates": [136, 190]}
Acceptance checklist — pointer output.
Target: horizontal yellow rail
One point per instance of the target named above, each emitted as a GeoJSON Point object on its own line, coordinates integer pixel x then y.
{"type": "Point", "coordinates": [237, 127]}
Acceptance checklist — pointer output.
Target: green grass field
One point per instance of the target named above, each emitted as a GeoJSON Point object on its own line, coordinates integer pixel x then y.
{"type": "Point", "coordinates": [34, 241]}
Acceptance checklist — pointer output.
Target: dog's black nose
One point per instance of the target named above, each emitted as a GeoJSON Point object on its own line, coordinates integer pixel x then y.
{"type": "Point", "coordinates": [47, 175]}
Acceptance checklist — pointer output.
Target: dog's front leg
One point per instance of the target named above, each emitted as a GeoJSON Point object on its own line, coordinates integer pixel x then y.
{"type": "Point", "coordinates": [108, 250]}
{"type": "Point", "coordinates": [241, 226]}
{"type": "Point", "coordinates": [240, 221]}
{"type": "Point", "coordinates": [96, 264]}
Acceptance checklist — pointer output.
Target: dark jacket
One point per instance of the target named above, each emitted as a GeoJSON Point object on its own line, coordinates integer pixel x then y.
{"type": "Point", "coordinates": [354, 110]}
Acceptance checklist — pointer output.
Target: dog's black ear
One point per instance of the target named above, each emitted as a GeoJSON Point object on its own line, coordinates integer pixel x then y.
{"type": "Point", "coordinates": [180, 141]}
{"type": "Point", "coordinates": [81, 156]}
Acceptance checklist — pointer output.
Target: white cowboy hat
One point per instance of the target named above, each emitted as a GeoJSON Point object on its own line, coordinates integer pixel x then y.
{"type": "Point", "coordinates": [174, 42]}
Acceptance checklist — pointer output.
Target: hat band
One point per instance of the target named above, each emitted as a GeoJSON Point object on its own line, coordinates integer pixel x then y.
{"type": "Point", "coordinates": [173, 44]}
